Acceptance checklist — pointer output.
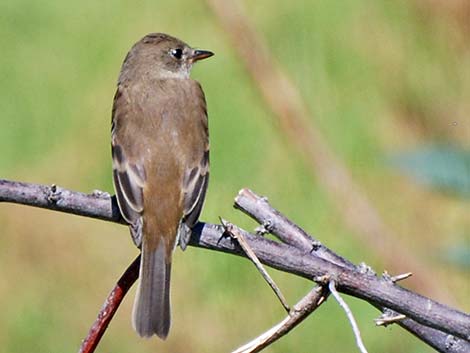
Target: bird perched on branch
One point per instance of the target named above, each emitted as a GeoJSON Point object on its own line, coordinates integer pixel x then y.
{"type": "Point", "coordinates": [160, 150]}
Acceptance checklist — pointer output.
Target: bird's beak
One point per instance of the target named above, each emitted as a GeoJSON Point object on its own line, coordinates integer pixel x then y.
{"type": "Point", "coordinates": [200, 54]}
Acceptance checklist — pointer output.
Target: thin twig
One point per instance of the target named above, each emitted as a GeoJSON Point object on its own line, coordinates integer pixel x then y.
{"type": "Point", "coordinates": [397, 278]}
{"type": "Point", "coordinates": [299, 312]}
{"type": "Point", "coordinates": [110, 307]}
{"type": "Point", "coordinates": [342, 303]}
{"type": "Point", "coordinates": [237, 234]}
{"type": "Point", "coordinates": [401, 277]}
{"type": "Point", "coordinates": [386, 319]}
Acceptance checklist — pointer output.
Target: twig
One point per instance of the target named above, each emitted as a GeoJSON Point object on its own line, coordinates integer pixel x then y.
{"type": "Point", "coordinates": [342, 303]}
{"type": "Point", "coordinates": [388, 317]}
{"type": "Point", "coordinates": [235, 232]}
{"type": "Point", "coordinates": [110, 307]}
{"type": "Point", "coordinates": [374, 290]}
{"type": "Point", "coordinates": [397, 278]}
{"type": "Point", "coordinates": [299, 312]}
{"type": "Point", "coordinates": [401, 277]}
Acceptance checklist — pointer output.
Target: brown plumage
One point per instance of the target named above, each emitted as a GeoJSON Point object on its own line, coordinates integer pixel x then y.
{"type": "Point", "coordinates": [160, 147]}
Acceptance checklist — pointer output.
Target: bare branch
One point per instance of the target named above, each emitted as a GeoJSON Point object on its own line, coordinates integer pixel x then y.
{"type": "Point", "coordinates": [258, 208]}
{"type": "Point", "coordinates": [377, 291]}
{"type": "Point", "coordinates": [97, 205]}
{"type": "Point", "coordinates": [295, 122]}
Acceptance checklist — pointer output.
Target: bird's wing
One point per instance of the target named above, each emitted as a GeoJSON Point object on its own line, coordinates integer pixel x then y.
{"type": "Point", "coordinates": [128, 176]}
{"type": "Point", "coordinates": [194, 188]}
{"type": "Point", "coordinates": [196, 176]}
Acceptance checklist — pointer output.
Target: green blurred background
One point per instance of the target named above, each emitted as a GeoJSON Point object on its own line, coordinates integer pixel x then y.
{"type": "Point", "coordinates": [381, 79]}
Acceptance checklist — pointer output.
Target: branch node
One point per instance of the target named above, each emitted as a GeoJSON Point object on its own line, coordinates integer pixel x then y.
{"type": "Point", "coordinates": [316, 245]}
{"type": "Point", "coordinates": [366, 269]}
{"type": "Point", "coordinates": [100, 194]}
{"type": "Point", "coordinates": [451, 341]}
{"type": "Point", "coordinates": [53, 194]}
{"type": "Point", "coordinates": [322, 280]}
{"type": "Point", "coordinates": [228, 227]}
{"type": "Point", "coordinates": [265, 228]}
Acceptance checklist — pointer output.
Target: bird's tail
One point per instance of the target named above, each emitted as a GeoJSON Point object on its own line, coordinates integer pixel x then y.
{"type": "Point", "coordinates": [151, 314]}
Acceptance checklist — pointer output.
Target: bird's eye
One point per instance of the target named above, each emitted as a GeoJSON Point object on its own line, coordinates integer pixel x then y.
{"type": "Point", "coordinates": [177, 53]}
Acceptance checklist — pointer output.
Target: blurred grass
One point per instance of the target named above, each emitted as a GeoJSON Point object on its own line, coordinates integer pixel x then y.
{"type": "Point", "coordinates": [378, 76]}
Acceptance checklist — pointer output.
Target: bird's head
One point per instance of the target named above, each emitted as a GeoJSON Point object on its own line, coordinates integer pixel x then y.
{"type": "Point", "coordinates": [160, 55]}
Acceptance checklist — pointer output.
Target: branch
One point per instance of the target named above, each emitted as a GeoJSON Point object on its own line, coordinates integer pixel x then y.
{"type": "Point", "coordinates": [273, 221]}
{"type": "Point", "coordinates": [97, 205]}
{"type": "Point", "coordinates": [295, 122]}
{"type": "Point", "coordinates": [287, 258]}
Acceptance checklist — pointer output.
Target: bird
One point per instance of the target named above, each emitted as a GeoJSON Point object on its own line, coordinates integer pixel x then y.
{"type": "Point", "coordinates": [160, 154]}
